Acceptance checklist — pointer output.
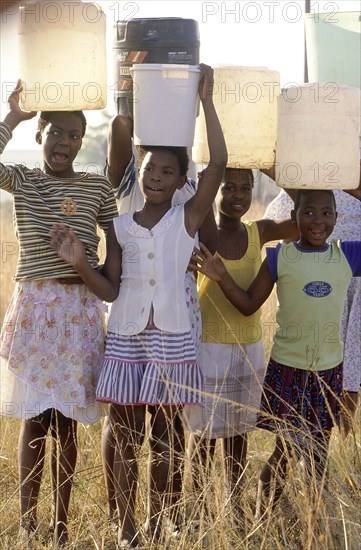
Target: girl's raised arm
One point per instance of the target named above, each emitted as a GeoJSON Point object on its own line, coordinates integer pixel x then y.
{"type": "Point", "coordinates": [119, 148]}
{"type": "Point", "coordinates": [197, 207]}
{"type": "Point", "coordinates": [16, 114]}
{"type": "Point", "coordinates": [275, 230]}
{"type": "Point", "coordinates": [247, 302]}
{"type": "Point", "coordinates": [208, 233]}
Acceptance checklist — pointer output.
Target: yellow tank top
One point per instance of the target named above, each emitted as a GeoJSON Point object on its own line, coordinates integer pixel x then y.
{"type": "Point", "coordinates": [222, 323]}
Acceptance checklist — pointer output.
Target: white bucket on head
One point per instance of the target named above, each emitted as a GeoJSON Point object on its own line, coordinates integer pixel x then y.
{"type": "Point", "coordinates": [246, 103]}
{"type": "Point", "coordinates": [62, 56]}
{"type": "Point", "coordinates": [333, 46]}
{"type": "Point", "coordinates": [318, 137]}
{"type": "Point", "coordinates": [165, 103]}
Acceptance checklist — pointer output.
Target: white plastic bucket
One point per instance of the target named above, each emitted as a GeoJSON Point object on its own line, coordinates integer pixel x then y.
{"type": "Point", "coordinates": [333, 47]}
{"type": "Point", "coordinates": [318, 137]}
{"type": "Point", "coordinates": [246, 102]}
{"type": "Point", "coordinates": [62, 56]}
{"type": "Point", "coordinates": [165, 103]}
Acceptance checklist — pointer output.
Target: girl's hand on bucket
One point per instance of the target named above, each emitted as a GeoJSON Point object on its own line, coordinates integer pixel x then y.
{"type": "Point", "coordinates": [14, 105]}
{"type": "Point", "coordinates": [206, 82]}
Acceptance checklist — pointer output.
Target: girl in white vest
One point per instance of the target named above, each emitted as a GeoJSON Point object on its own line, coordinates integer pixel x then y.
{"type": "Point", "coordinates": [123, 161]}
{"type": "Point", "coordinates": [150, 360]}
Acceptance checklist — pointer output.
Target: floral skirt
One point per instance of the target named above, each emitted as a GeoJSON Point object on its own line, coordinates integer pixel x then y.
{"type": "Point", "coordinates": [52, 347]}
{"type": "Point", "coordinates": [350, 335]}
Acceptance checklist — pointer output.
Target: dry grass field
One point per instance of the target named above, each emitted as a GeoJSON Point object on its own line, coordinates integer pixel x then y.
{"type": "Point", "coordinates": [333, 523]}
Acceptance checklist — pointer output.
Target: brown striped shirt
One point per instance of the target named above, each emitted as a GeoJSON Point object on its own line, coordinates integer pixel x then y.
{"type": "Point", "coordinates": [41, 200]}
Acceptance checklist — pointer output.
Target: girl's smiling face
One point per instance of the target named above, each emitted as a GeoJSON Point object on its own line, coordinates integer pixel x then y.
{"type": "Point", "coordinates": [160, 176]}
{"type": "Point", "coordinates": [235, 193]}
{"type": "Point", "coordinates": [316, 218]}
{"type": "Point", "coordinates": [62, 140]}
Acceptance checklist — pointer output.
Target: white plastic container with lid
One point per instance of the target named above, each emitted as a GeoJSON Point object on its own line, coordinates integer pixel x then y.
{"type": "Point", "coordinates": [246, 102]}
{"type": "Point", "coordinates": [318, 137]}
{"type": "Point", "coordinates": [165, 103]}
{"type": "Point", "coordinates": [62, 56]}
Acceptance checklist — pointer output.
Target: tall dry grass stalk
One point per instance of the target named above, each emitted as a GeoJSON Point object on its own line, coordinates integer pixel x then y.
{"type": "Point", "coordinates": [332, 521]}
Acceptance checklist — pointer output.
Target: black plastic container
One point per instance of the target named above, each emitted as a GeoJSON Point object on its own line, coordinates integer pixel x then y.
{"type": "Point", "coordinates": [150, 40]}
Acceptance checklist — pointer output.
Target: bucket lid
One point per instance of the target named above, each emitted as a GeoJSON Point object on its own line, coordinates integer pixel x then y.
{"type": "Point", "coordinates": [164, 67]}
{"type": "Point", "coordinates": [157, 31]}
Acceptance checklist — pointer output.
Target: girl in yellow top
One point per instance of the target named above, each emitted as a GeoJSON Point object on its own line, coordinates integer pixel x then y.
{"type": "Point", "coordinates": [231, 356]}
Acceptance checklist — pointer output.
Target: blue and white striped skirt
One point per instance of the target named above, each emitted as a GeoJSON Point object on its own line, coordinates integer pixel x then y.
{"type": "Point", "coordinates": [153, 367]}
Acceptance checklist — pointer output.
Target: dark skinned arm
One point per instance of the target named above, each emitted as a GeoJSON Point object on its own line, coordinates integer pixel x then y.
{"type": "Point", "coordinates": [247, 302]}
{"type": "Point", "coordinates": [119, 148]}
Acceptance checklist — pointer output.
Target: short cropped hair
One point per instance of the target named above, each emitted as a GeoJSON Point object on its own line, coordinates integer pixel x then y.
{"type": "Point", "coordinates": [302, 192]}
{"type": "Point", "coordinates": [45, 119]}
{"type": "Point", "coordinates": [179, 152]}
{"type": "Point", "coordinates": [242, 171]}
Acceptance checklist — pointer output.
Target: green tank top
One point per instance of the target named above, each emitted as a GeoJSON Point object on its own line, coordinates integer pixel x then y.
{"type": "Point", "coordinates": [311, 290]}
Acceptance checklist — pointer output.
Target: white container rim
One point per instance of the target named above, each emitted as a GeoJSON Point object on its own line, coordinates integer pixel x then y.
{"type": "Point", "coordinates": [164, 67]}
{"type": "Point", "coordinates": [323, 84]}
{"type": "Point", "coordinates": [96, 5]}
{"type": "Point", "coordinates": [246, 67]}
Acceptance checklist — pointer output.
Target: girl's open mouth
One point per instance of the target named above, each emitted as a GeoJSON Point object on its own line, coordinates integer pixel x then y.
{"type": "Point", "coordinates": [60, 157]}
{"type": "Point", "coordinates": [318, 233]}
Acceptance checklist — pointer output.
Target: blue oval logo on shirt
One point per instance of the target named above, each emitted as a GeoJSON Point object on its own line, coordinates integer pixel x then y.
{"type": "Point", "coordinates": [317, 289]}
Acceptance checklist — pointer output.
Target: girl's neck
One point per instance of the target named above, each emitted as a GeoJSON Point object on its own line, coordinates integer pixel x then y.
{"type": "Point", "coordinates": [68, 173]}
{"type": "Point", "coordinates": [151, 214]}
{"type": "Point", "coordinates": [231, 225]}
{"type": "Point", "coordinates": [306, 245]}
{"type": "Point", "coordinates": [232, 238]}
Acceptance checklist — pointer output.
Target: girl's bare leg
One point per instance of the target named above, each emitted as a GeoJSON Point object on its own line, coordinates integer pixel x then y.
{"type": "Point", "coordinates": [108, 453]}
{"type": "Point", "coordinates": [348, 410]}
{"type": "Point", "coordinates": [273, 474]}
{"type": "Point", "coordinates": [161, 463]}
{"type": "Point", "coordinates": [176, 478]}
{"type": "Point", "coordinates": [128, 427]}
{"type": "Point", "coordinates": [31, 454]}
{"type": "Point", "coordinates": [64, 452]}
{"type": "Point", "coordinates": [316, 460]}
{"type": "Point", "coordinates": [235, 454]}
{"type": "Point", "coordinates": [201, 454]}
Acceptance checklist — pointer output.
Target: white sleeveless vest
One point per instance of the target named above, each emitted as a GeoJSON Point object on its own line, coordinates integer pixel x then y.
{"type": "Point", "coordinates": [154, 263]}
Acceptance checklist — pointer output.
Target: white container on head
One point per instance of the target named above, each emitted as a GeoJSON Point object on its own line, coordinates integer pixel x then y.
{"type": "Point", "coordinates": [318, 137]}
{"type": "Point", "coordinates": [246, 102]}
{"type": "Point", "coordinates": [333, 47]}
{"type": "Point", "coordinates": [62, 56]}
{"type": "Point", "coordinates": [165, 103]}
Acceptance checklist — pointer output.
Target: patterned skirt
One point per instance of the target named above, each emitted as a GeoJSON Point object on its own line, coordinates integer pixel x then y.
{"type": "Point", "coordinates": [153, 367]}
{"type": "Point", "coordinates": [298, 402]}
{"type": "Point", "coordinates": [350, 335]}
{"type": "Point", "coordinates": [194, 309]}
{"type": "Point", "coordinates": [232, 381]}
{"type": "Point", "coordinates": [52, 347]}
